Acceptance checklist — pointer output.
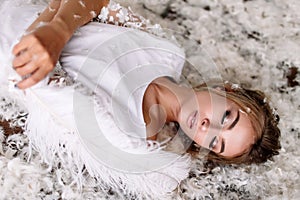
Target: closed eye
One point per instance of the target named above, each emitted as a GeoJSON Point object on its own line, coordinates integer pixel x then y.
{"type": "Point", "coordinates": [226, 114]}
{"type": "Point", "coordinates": [213, 142]}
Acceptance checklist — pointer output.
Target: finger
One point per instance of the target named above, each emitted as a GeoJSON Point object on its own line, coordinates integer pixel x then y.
{"type": "Point", "coordinates": [27, 69]}
{"type": "Point", "coordinates": [22, 58]}
{"type": "Point", "coordinates": [36, 77]}
{"type": "Point", "coordinates": [24, 44]}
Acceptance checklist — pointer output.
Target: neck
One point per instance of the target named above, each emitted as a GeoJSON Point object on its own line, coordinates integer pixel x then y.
{"type": "Point", "coordinates": [168, 95]}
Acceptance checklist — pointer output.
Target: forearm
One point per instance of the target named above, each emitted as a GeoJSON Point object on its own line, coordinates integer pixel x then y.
{"type": "Point", "coordinates": [46, 16]}
{"type": "Point", "coordinates": [75, 13]}
{"type": "Point", "coordinates": [38, 51]}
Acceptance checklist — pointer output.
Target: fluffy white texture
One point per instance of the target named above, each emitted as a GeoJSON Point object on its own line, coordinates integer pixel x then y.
{"type": "Point", "coordinates": [66, 144]}
{"type": "Point", "coordinates": [239, 58]}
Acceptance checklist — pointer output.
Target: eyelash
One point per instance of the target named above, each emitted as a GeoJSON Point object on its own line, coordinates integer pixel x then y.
{"type": "Point", "coordinates": [213, 142]}
{"type": "Point", "coordinates": [226, 114]}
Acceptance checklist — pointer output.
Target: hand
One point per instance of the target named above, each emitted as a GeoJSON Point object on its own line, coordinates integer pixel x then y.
{"type": "Point", "coordinates": [37, 53]}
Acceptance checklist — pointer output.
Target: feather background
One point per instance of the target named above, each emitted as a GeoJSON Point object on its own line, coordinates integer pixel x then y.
{"type": "Point", "coordinates": [252, 42]}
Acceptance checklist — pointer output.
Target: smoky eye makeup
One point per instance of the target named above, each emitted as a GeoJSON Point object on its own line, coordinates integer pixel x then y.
{"type": "Point", "coordinates": [225, 115]}
{"type": "Point", "coordinates": [213, 142]}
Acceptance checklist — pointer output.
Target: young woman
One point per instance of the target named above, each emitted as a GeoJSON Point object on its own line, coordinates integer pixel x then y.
{"type": "Point", "coordinates": [133, 77]}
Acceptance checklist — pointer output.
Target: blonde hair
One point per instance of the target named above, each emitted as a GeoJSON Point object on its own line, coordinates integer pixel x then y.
{"type": "Point", "coordinates": [262, 117]}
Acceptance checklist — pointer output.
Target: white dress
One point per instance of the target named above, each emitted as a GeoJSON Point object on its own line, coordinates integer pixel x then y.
{"type": "Point", "coordinates": [102, 130]}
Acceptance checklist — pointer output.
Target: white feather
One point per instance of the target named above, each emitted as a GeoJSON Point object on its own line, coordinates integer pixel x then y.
{"type": "Point", "coordinates": [51, 130]}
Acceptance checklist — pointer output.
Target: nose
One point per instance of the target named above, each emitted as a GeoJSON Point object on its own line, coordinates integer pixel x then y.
{"type": "Point", "coordinates": [204, 125]}
{"type": "Point", "coordinates": [209, 130]}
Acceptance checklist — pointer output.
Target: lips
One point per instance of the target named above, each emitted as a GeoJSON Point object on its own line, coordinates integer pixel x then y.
{"type": "Point", "coordinates": [192, 119]}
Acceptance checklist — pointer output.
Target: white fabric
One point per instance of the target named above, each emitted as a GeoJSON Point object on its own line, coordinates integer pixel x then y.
{"type": "Point", "coordinates": [122, 62]}
{"type": "Point", "coordinates": [117, 64]}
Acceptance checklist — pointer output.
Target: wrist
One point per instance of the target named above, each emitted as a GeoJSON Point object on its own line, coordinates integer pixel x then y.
{"type": "Point", "coordinates": [62, 28]}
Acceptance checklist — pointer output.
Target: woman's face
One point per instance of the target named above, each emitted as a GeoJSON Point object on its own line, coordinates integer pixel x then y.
{"type": "Point", "coordinates": [216, 123]}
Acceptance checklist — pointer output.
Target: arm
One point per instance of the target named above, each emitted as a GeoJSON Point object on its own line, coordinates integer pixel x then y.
{"type": "Point", "coordinates": [37, 52]}
{"type": "Point", "coordinates": [46, 16]}
{"type": "Point", "coordinates": [75, 13]}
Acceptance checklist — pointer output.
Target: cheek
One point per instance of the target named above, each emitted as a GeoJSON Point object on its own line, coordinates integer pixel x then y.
{"type": "Point", "coordinates": [239, 141]}
{"type": "Point", "coordinates": [195, 136]}
{"type": "Point", "coordinates": [200, 139]}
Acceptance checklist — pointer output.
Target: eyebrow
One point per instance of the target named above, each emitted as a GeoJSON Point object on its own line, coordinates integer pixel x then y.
{"type": "Point", "coordinates": [222, 146]}
{"type": "Point", "coordinates": [235, 121]}
{"type": "Point", "coordinates": [230, 127]}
